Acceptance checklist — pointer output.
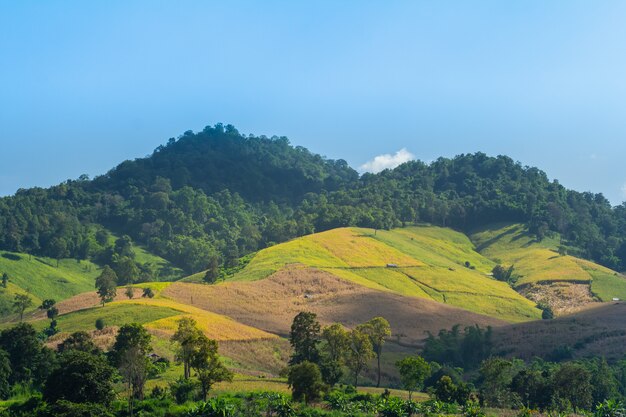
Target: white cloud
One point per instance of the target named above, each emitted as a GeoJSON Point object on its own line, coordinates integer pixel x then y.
{"type": "Point", "coordinates": [387, 161]}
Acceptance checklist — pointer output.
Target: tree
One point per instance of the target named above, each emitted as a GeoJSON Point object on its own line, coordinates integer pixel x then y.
{"type": "Point", "coordinates": [304, 337]}
{"type": "Point", "coordinates": [213, 272]}
{"type": "Point", "coordinates": [80, 341]}
{"type": "Point", "coordinates": [30, 360]}
{"type": "Point", "coordinates": [5, 279]}
{"type": "Point", "coordinates": [503, 274]}
{"type": "Point", "coordinates": [52, 313]}
{"type": "Point", "coordinates": [100, 324]}
{"type": "Point", "coordinates": [336, 343]}
{"type": "Point", "coordinates": [378, 329]}
{"type": "Point", "coordinates": [47, 304]}
{"type": "Point", "coordinates": [130, 354]}
{"type": "Point", "coordinates": [58, 248]}
{"type": "Point", "coordinates": [106, 284]}
{"type": "Point", "coordinates": [5, 374]}
{"type": "Point", "coordinates": [21, 303]}
{"type": "Point", "coordinates": [305, 380]}
{"type": "Point", "coordinates": [413, 371]}
{"type": "Point", "coordinates": [130, 292]}
{"type": "Point", "coordinates": [126, 270]}
{"type": "Point", "coordinates": [359, 353]}
{"type": "Point", "coordinates": [147, 292]}
{"type": "Point", "coordinates": [207, 364]}
{"type": "Point", "coordinates": [80, 378]}
{"type": "Point", "coordinates": [572, 384]}
{"type": "Point", "coordinates": [445, 389]}
{"type": "Point", "coordinates": [187, 337]}
{"type": "Point", "coordinates": [496, 375]}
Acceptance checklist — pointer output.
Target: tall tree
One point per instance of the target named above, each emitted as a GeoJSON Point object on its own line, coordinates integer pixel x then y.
{"type": "Point", "coordinates": [359, 353]}
{"type": "Point", "coordinates": [207, 364]}
{"type": "Point", "coordinates": [186, 337]}
{"type": "Point", "coordinates": [336, 343]}
{"type": "Point", "coordinates": [130, 353]}
{"type": "Point", "coordinates": [304, 338]}
{"type": "Point", "coordinates": [378, 329]}
{"type": "Point", "coordinates": [413, 371]}
{"type": "Point", "coordinates": [106, 285]}
{"type": "Point", "coordinates": [31, 362]}
{"type": "Point", "coordinates": [21, 303]}
{"type": "Point", "coordinates": [305, 381]}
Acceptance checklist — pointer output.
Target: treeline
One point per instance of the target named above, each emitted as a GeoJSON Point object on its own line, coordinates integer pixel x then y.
{"type": "Point", "coordinates": [217, 194]}
{"type": "Point", "coordinates": [80, 379]}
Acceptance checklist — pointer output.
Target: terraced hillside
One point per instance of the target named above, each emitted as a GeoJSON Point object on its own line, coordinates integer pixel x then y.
{"type": "Point", "coordinates": [565, 282]}
{"type": "Point", "coordinates": [423, 262]}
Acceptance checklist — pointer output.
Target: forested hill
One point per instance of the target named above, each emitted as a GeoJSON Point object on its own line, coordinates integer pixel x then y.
{"type": "Point", "coordinates": [217, 195]}
{"type": "Point", "coordinates": [259, 169]}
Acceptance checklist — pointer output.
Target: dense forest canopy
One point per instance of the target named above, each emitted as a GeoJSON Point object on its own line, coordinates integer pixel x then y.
{"type": "Point", "coordinates": [217, 194]}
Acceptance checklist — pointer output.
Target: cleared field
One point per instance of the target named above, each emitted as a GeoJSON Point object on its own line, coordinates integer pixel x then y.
{"type": "Point", "coordinates": [599, 330]}
{"type": "Point", "coordinates": [422, 262]}
{"type": "Point", "coordinates": [607, 286]}
{"type": "Point", "coordinates": [41, 277]}
{"type": "Point", "coordinates": [359, 248]}
{"type": "Point", "coordinates": [271, 304]}
{"type": "Point", "coordinates": [534, 261]}
{"type": "Point", "coordinates": [215, 326]}
{"type": "Point", "coordinates": [436, 246]}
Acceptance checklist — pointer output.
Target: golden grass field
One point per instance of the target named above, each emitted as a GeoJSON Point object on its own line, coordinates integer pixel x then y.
{"type": "Point", "coordinates": [426, 262]}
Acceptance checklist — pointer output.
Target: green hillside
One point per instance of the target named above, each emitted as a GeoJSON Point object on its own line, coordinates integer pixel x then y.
{"type": "Point", "coordinates": [426, 262]}
{"type": "Point", "coordinates": [42, 278]}
{"type": "Point", "coordinates": [540, 262]}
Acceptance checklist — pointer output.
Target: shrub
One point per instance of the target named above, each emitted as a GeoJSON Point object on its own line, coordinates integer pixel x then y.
{"type": "Point", "coordinates": [305, 380]}
{"type": "Point", "coordinates": [183, 390]}
{"type": "Point", "coordinates": [100, 324]}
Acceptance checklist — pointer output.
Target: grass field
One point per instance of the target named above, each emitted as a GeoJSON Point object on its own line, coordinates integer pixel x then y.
{"type": "Point", "coordinates": [113, 314]}
{"type": "Point", "coordinates": [42, 278]}
{"type": "Point", "coordinates": [428, 262]}
{"type": "Point", "coordinates": [537, 262]}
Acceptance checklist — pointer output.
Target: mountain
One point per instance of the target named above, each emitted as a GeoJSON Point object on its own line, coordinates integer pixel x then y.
{"type": "Point", "coordinates": [219, 194]}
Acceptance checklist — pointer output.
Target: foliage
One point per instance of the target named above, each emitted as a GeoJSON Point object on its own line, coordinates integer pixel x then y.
{"type": "Point", "coordinates": [466, 350]}
{"type": "Point", "coordinates": [305, 380]}
{"type": "Point", "coordinates": [81, 377]}
{"type": "Point", "coordinates": [413, 371]}
{"type": "Point", "coordinates": [304, 338]}
{"type": "Point", "coordinates": [80, 341]}
{"type": "Point", "coordinates": [31, 362]}
{"type": "Point", "coordinates": [377, 329]}
{"type": "Point", "coordinates": [21, 303]}
{"type": "Point", "coordinates": [106, 284]}
{"type": "Point", "coordinates": [360, 351]}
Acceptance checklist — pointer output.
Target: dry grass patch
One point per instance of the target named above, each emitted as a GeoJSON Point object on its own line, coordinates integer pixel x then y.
{"type": "Point", "coordinates": [215, 326]}
{"type": "Point", "coordinates": [272, 303]}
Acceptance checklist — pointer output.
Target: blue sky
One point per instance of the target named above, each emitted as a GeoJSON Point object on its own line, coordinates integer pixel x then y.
{"type": "Point", "coordinates": [85, 85]}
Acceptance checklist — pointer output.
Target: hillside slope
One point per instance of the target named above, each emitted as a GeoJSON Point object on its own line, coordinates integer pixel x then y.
{"type": "Point", "coordinates": [423, 262]}
{"type": "Point", "coordinates": [565, 282]}
{"type": "Point", "coordinates": [599, 330]}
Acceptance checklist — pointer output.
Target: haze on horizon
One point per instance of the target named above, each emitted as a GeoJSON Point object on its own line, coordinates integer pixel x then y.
{"type": "Point", "coordinates": [84, 85]}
